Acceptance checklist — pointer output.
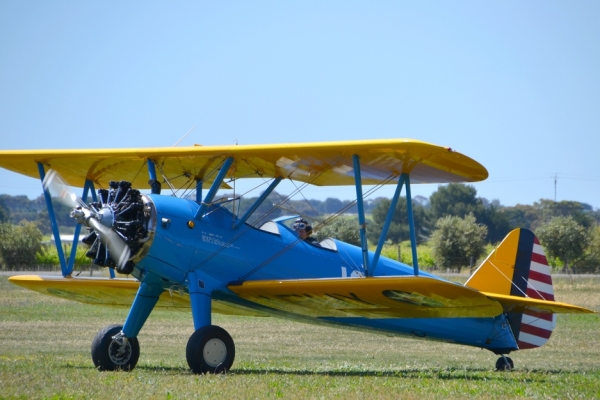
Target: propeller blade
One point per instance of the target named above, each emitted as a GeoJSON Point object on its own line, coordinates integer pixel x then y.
{"type": "Point", "coordinates": [117, 247]}
{"type": "Point", "coordinates": [58, 189]}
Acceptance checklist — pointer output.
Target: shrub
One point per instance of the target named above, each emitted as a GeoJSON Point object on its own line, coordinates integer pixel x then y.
{"type": "Point", "coordinates": [19, 245]}
{"type": "Point", "coordinates": [456, 241]}
{"type": "Point", "coordinates": [342, 228]}
{"type": "Point", "coordinates": [564, 238]}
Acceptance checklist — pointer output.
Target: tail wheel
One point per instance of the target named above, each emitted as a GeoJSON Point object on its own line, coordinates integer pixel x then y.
{"type": "Point", "coordinates": [111, 353]}
{"type": "Point", "coordinates": [210, 349]}
{"type": "Point", "coordinates": [504, 364]}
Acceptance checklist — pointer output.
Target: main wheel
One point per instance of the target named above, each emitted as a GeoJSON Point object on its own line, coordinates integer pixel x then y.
{"type": "Point", "coordinates": [504, 364]}
{"type": "Point", "coordinates": [210, 349]}
{"type": "Point", "coordinates": [111, 354]}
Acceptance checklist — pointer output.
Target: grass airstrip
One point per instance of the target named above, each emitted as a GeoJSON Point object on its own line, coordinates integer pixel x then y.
{"type": "Point", "coordinates": [45, 353]}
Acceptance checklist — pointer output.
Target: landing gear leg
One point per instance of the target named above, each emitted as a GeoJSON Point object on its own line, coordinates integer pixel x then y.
{"type": "Point", "coordinates": [210, 348]}
{"type": "Point", "coordinates": [116, 347]}
{"type": "Point", "coordinates": [504, 364]}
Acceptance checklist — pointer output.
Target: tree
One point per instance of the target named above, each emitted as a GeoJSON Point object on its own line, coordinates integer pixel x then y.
{"type": "Point", "coordinates": [497, 222]}
{"type": "Point", "coordinates": [456, 241]}
{"type": "Point", "coordinates": [564, 238]}
{"type": "Point", "coordinates": [19, 245]}
{"type": "Point", "coordinates": [590, 262]}
{"type": "Point", "coordinates": [21, 208]}
{"type": "Point", "coordinates": [333, 205]}
{"type": "Point", "coordinates": [542, 211]}
{"type": "Point", "coordinates": [523, 216]}
{"type": "Point", "coordinates": [399, 230]}
{"type": "Point", "coordinates": [43, 222]}
{"type": "Point", "coordinates": [549, 209]}
{"type": "Point", "coordinates": [343, 228]}
{"type": "Point", "coordinates": [454, 199]}
{"type": "Point", "coordinates": [4, 213]}
{"type": "Point", "coordinates": [459, 200]}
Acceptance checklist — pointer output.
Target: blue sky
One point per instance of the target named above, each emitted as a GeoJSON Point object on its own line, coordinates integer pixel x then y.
{"type": "Point", "coordinates": [513, 84]}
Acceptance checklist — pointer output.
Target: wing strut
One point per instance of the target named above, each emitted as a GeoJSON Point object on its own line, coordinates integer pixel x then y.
{"type": "Point", "coordinates": [404, 179]}
{"type": "Point", "coordinates": [66, 267]}
{"type": "Point", "coordinates": [54, 223]}
{"type": "Point", "coordinates": [387, 223]}
{"type": "Point", "coordinates": [214, 188]}
{"type": "Point", "coordinates": [361, 213]}
{"type": "Point", "coordinates": [258, 202]}
{"type": "Point", "coordinates": [411, 225]}
{"type": "Point", "coordinates": [199, 190]}
{"type": "Point", "coordinates": [154, 183]}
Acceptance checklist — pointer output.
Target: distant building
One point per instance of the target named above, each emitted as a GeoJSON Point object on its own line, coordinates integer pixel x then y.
{"type": "Point", "coordinates": [64, 239]}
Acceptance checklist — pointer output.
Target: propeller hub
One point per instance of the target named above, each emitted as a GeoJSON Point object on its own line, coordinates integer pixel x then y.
{"type": "Point", "coordinates": [106, 216]}
{"type": "Point", "coordinates": [83, 215]}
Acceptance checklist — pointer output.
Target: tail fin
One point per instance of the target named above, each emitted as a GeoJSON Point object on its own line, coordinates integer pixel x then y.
{"type": "Point", "coordinates": [518, 267]}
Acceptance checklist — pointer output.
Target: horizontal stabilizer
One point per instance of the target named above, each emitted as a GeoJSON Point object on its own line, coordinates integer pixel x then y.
{"type": "Point", "coordinates": [373, 297]}
{"type": "Point", "coordinates": [524, 304]}
{"type": "Point", "coordinates": [114, 293]}
{"type": "Point", "coordinates": [517, 275]}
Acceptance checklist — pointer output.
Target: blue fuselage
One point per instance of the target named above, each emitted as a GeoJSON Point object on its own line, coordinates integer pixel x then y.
{"type": "Point", "coordinates": [224, 255]}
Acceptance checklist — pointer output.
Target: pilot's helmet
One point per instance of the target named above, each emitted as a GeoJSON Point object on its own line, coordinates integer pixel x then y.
{"type": "Point", "coordinates": [301, 223]}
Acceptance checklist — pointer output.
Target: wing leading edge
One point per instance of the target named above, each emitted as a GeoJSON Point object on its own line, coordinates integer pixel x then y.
{"type": "Point", "coordinates": [117, 293]}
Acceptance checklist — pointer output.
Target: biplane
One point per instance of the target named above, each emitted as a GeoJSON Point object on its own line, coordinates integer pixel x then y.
{"type": "Point", "coordinates": [199, 252]}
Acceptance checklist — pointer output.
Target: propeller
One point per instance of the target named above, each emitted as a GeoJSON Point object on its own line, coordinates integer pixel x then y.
{"type": "Point", "coordinates": [100, 221]}
{"type": "Point", "coordinates": [117, 247]}
{"type": "Point", "coordinates": [58, 189]}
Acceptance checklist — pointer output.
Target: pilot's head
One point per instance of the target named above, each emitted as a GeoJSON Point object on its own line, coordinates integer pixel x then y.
{"type": "Point", "coordinates": [303, 228]}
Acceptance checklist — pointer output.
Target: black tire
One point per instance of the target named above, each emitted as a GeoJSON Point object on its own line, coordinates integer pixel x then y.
{"type": "Point", "coordinates": [504, 364]}
{"type": "Point", "coordinates": [105, 351]}
{"type": "Point", "coordinates": [210, 349]}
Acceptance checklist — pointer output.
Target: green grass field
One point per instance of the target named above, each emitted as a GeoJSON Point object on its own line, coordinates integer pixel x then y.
{"type": "Point", "coordinates": [45, 353]}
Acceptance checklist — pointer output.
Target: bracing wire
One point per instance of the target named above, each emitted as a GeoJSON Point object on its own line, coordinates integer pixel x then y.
{"type": "Point", "coordinates": [328, 220]}
{"type": "Point", "coordinates": [245, 229]}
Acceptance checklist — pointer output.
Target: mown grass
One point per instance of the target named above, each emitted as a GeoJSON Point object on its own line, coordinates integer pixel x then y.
{"type": "Point", "coordinates": [45, 346]}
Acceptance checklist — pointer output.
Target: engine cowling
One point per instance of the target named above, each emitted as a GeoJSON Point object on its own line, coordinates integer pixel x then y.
{"type": "Point", "coordinates": [131, 215]}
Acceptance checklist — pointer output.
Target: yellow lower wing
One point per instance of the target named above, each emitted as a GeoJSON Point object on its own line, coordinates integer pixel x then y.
{"type": "Point", "coordinates": [397, 297]}
{"type": "Point", "coordinates": [114, 293]}
{"type": "Point", "coordinates": [525, 304]}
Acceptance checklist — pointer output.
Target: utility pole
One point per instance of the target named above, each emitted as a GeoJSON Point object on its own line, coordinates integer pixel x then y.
{"type": "Point", "coordinates": [555, 179]}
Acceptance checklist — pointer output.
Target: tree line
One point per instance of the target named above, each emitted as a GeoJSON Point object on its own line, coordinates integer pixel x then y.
{"type": "Point", "coordinates": [454, 222]}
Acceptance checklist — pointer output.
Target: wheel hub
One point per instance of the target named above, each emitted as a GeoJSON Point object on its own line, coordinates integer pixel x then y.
{"type": "Point", "coordinates": [214, 352]}
{"type": "Point", "coordinates": [119, 352]}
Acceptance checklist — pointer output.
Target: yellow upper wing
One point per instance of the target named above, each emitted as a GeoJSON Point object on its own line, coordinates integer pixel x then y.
{"type": "Point", "coordinates": [323, 164]}
{"type": "Point", "coordinates": [390, 297]}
